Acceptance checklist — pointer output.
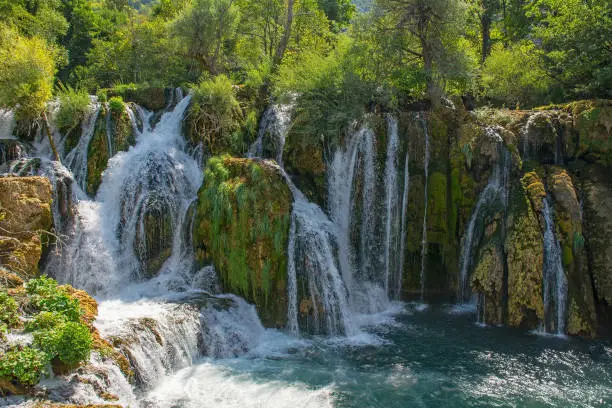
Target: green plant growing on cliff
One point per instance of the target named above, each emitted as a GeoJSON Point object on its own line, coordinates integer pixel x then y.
{"type": "Point", "coordinates": [216, 114]}
{"type": "Point", "coordinates": [74, 105]}
{"type": "Point", "coordinates": [116, 105]}
{"type": "Point", "coordinates": [24, 366]}
{"type": "Point", "coordinates": [8, 310]}
{"type": "Point", "coordinates": [45, 295]}
{"type": "Point", "coordinates": [70, 342]}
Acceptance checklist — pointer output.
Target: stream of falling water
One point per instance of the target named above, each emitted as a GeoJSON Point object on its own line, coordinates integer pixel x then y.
{"type": "Point", "coordinates": [554, 279]}
{"type": "Point", "coordinates": [425, 199]}
{"type": "Point", "coordinates": [496, 190]}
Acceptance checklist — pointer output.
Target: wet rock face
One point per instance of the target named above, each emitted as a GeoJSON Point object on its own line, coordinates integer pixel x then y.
{"type": "Point", "coordinates": [242, 227]}
{"type": "Point", "coordinates": [113, 133]}
{"type": "Point", "coordinates": [568, 219]}
{"type": "Point", "coordinates": [525, 258]}
{"type": "Point", "coordinates": [596, 185]}
{"type": "Point", "coordinates": [25, 215]}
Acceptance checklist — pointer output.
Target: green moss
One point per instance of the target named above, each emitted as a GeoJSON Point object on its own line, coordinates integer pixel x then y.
{"type": "Point", "coordinates": [525, 258]}
{"type": "Point", "coordinates": [242, 226]}
{"type": "Point", "coordinates": [437, 212]}
{"type": "Point", "coordinates": [99, 152]}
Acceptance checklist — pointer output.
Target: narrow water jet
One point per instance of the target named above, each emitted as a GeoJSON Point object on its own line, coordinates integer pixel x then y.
{"type": "Point", "coordinates": [426, 196]}
{"type": "Point", "coordinates": [554, 279]}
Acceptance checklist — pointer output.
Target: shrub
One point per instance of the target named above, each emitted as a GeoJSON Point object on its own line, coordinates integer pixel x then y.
{"type": "Point", "coordinates": [46, 296]}
{"type": "Point", "coordinates": [74, 106]}
{"type": "Point", "coordinates": [24, 366]}
{"type": "Point", "coordinates": [70, 342]}
{"type": "Point", "coordinates": [8, 310]}
{"type": "Point", "coordinates": [46, 320]}
{"type": "Point", "coordinates": [514, 76]}
{"type": "Point", "coordinates": [116, 105]}
{"type": "Point", "coordinates": [215, 114]}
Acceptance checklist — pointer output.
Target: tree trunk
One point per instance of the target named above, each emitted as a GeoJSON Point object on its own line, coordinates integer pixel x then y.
{"type": "Point", "coordinates": [485, 25]}
{"type": "Point", "coordinates": [433, 90]}
{"type": "Point", "coordinates": [50, 136]}
{"type": "Point", "coordinates": [282, 45]}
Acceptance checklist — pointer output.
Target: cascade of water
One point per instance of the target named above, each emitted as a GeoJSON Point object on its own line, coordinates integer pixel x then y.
{"type": "Point", "coordinates": [312, 243]}
{"type": "Point", "coordinates": [155, 181]}
{"type": "Point", "coordinates": [76, 160]}
{"type": "Point", "coordinates": [158, 338]}
{"type": "Point", "coordinates": [496, 189]}
{"type": "Point", "coordinates": [349, 168]}
{"type": "Point", "coordinates": [7, 124]}
{"type": "Point", "coordinates": [230, 330]}
{"type": "Point", "coordinates": [273, 129]}
{"type": "Point", "coordinates": [391, 206]}
{"type": "Point", "coordinates": [426, 196]}
{"type": "Point", "coordinates": [404, 223]}
{"type": "Point", "coordinates": [555, 281]}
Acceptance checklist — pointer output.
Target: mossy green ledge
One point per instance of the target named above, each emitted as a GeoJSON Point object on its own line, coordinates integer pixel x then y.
{"type": "Point", "coordinates": [242, 226]}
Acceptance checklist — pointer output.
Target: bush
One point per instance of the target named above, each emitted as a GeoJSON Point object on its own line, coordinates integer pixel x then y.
{"type": "Point", "coordinates": [8, 310]}
{"type": "Point", "coordinates": [46, 296]}
{"type": "Point", "coordinates": [70, 342]}
{"type": "Point", "coordinates": [514, 76]}
{"type": "Point", "coordinates": [24, 366]}
{"type": "Point", "coordinates": [116, 105]}
{"type": "Point", "coordinates": [27, 68]}
{"type": "Point", "coordinates": [215, 114]}
{"type": "Point", "coordinates": [73, 109]}
{"type": "Point", "coordinates": [46, 320]}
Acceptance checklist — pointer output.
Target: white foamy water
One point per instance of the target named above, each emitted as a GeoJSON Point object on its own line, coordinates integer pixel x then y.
{"type": "Point", "coordinates": [212, 386]}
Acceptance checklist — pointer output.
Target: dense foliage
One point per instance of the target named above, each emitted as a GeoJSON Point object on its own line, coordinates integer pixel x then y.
{"type": "Point", "coordinates": [337, 55]}
{"type": "Point", "coordinates": [54, 318]}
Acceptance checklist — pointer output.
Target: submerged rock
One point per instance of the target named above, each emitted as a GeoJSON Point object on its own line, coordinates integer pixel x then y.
{"type": "Point", "coordinates": [242, 226]}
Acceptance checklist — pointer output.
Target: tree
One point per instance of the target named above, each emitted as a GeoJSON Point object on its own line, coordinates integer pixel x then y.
{"type": "Point", "coordinates": [27, 72]}
{"type": "Point", "coordinates": [576, 38]}
{"type": "Point", "coordinates": [430, 26]}
{"type": "Point", "coordinates": [205, 28]}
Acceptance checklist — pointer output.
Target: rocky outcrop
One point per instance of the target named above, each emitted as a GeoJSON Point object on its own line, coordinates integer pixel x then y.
{"type": "Point", "coordinates": [113, 133]}
{"type": "Point", "coordinates": [25, 220]}
{"type": "Point", "coordinates": [596, 185]}
{"type": "Point", "coordinates": [568, 219]}
{"type": "Point", "coordinates": [525, 257]}
{"type": "Point", "coordinates": [242, 227]}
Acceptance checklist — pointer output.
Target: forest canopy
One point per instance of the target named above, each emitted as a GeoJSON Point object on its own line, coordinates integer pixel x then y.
{"type": "Point", "coordinates": [333, 53]}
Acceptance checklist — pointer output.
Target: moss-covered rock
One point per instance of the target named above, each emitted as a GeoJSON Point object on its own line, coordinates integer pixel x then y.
{"type": "Point", "coordinates": [303, 159]}
{"type": "Point", "coordinates": [242, 226]}
{"type": "Point", "coordinates": [596, 184]}
{"type": "Point", "coordinates": [525, 258]}
{"type": "Point", "coordinates": [488, 281]}
{"type": "Point", "coordinates": [25, 217]}
{"type": "Point", "coordinates": [118, 123]}
{"type": "Point", "coordinates": [592, 125]}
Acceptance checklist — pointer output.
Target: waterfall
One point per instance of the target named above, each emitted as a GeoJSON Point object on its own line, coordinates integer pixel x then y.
{"type": "Point", "coordinates": [391, 206]}
{"type": "Point", "coordinates": [273, 129]}
{"type": "Point", "coordinates": [76, 160]}
{"type": "Point", "coordinates": [230, 330]}
{"type": "Point", "coordinates": [7, 124]}
{"type": "Point", "coordinates": [496, 189]}
{"type": "Point", "coordinates": [157, 338]}
{"type": "Point", "coordinates": [148, 187]}
{"type": "Point", "coordinates": [426, 194]}
{"type": "Point", "coordinates": [352, 191]}
{"type": "Point", "coordinates": [404, 223]}
{"type": "Point", "coordinates": [313, 241]}
{"type": "Point", "coordinates": [554, 279]}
